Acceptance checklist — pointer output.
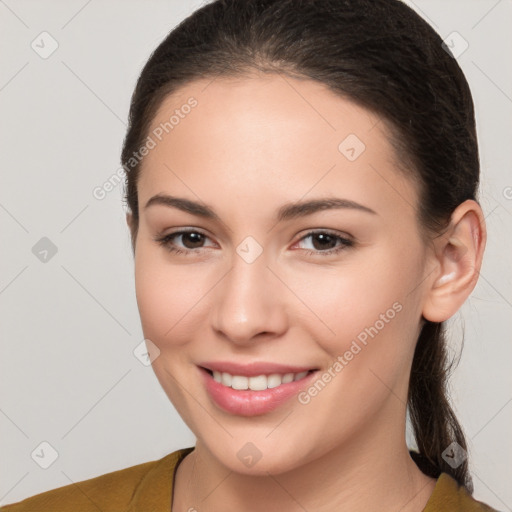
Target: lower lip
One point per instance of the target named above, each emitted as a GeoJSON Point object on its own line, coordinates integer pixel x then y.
{"type": "Point", "coordinates": [252, 403]}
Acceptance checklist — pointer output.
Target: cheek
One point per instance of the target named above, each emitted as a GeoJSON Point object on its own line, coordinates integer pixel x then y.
{"type": "Point", "coordinates": [374, 317]}
{"type": "Point", "coordinates": [168, 305]}
{"type": "Point", "coordinates": [363, 299]}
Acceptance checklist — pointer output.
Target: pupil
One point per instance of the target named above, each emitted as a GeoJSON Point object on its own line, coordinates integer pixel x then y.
{"type": "Point", "coordinates": [326, 241]}
{"type": "Point", "coordinates": [192, 240]}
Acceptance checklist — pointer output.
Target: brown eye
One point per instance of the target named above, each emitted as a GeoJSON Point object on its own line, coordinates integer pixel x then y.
{"type": "Point", "coordinates": [192, 240]}
{"type": "Point", "coordinates": [184, 242]}
{"type": "Point", "coordinates": [323, 241]}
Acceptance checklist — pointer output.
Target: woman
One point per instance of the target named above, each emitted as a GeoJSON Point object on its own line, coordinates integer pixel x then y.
{"type": "Point", "coordinates": [301, 184]}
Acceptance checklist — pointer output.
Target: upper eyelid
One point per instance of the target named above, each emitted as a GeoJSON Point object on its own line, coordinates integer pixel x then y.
{"type": "Point", "coordinates": [329, 231]}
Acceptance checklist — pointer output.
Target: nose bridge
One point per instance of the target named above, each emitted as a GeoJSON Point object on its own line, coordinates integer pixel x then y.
{"type": "Point", "coordinates": [244, 306]}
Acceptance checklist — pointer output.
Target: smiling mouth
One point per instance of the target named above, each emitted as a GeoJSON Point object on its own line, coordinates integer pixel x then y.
{"type": "Point", "coordinates": [257, 382]}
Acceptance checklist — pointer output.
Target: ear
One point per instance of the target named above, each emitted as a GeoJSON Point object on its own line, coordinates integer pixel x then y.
{"type": "Point", "coordinates": [133, 230]}
{"type": "Point", "coordinates": [458, 257]}
{"type": "Point", "coordinates": [129, 220]}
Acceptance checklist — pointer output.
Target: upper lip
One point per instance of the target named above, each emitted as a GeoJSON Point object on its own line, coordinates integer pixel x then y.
{"type": "Point", "coordinates": [253, 369]}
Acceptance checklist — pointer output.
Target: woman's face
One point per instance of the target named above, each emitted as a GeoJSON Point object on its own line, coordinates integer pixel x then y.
{"type": "Point", "coordinates": [272, 273]}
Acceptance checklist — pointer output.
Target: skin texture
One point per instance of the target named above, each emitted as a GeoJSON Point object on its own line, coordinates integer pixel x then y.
{"type": "Point", "coordinates": [251, 145]}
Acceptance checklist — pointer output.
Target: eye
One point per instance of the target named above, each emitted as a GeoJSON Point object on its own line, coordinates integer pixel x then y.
{"type": "Point", "coordinates": [324, 243]}
{"type": "Point", "coordinates": [319, 242]}
{"type": "Point", "coordinates": [184, 241]}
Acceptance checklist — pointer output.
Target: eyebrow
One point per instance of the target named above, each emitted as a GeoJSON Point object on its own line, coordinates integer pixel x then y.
{"type": "Point", "coordinates": [286, 212]}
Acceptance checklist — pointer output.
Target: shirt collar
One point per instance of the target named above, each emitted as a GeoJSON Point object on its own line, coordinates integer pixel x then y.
{"type": "Point", "coordinates": [154, 493]}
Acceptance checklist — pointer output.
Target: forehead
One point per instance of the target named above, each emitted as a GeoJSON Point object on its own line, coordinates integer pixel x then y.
{"type": "Point", "coordinates": [272, 132]}
{"type": "Point", "coordinates": [267, 108]}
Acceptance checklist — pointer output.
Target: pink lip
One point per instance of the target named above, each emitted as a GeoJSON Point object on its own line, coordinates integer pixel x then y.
{"type": "Point", "coordinates": [252, 403]}
{"type": "Point", "coordinates": [253, 369]}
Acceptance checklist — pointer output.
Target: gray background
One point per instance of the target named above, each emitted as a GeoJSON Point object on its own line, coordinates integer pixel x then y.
{"type": "Point", "coordinates": [69, 325]}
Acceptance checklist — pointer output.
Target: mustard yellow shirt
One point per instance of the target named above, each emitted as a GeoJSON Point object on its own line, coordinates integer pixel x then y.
{"type": "Point", "coordinates": [148, 487]}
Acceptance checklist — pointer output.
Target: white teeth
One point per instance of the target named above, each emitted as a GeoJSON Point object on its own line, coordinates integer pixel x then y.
{"type": "Point", "coordinates": [300, 375]}
{"type": "Point", "coordinates": [226, 379]}
{"type": "Point", "coordinates": [239, 382]}
{"type": "Point", "coordinates": [257, 383]}
{"type": "Point", "coordinates": [288, 377]}
{"type": "Point", "coordinates": [274, 380]}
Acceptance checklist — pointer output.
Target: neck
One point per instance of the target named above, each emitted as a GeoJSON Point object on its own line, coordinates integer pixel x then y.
{"type": "Point", "coordinates": [372, 472]}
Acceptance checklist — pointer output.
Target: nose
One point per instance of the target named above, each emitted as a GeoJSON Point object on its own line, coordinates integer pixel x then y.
{"type": "Point", "coordinates": [248, 303]}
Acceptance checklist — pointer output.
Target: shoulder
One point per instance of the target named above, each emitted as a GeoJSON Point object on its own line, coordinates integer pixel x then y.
{"type": "Point", "coordinates": [449, 496]}
{"type": "Point", "coordinates": [110, 492]}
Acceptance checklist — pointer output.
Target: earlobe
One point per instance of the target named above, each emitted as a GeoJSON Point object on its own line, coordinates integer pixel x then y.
{"type": "Point", "coordinates": [133, 231]}
{"type": "Point", "coordinates": [459, 254]}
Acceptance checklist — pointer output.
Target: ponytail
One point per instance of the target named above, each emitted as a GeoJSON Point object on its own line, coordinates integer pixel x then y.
{"type": "Point", "coordinates": [433, 420]}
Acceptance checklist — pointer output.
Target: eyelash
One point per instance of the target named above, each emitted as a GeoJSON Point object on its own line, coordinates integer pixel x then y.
{"type": "Point", "coordinates": [345, 243]}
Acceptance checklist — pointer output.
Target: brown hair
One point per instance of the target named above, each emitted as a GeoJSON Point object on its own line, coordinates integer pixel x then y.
{"type": "Point", "coordinates": [381, 55]}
